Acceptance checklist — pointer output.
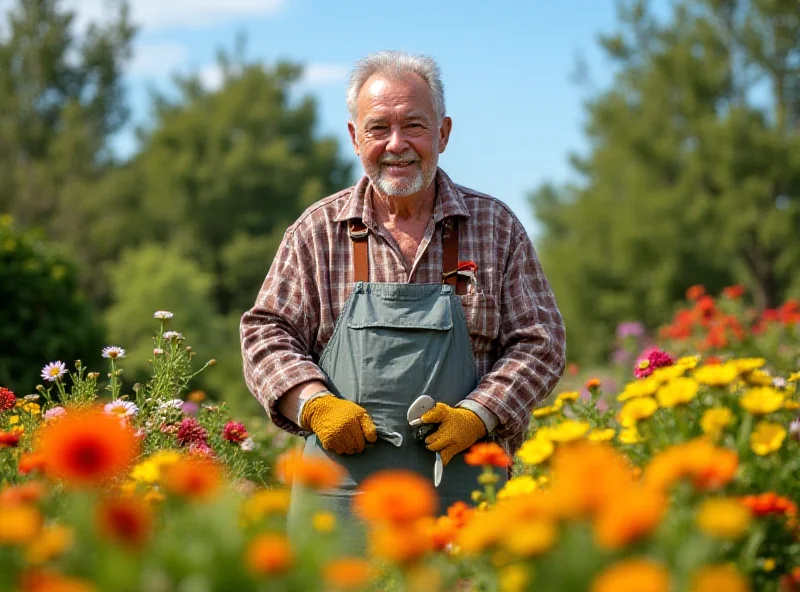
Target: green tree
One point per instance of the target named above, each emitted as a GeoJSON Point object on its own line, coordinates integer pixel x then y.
{"type": "Point", "coordinates": [693, 173]}
{"type": "Point", "coordinates": [44, 317]}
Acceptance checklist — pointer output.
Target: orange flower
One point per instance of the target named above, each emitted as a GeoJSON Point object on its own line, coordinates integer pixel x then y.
{"type": "Point", "coordinates": [460, 513]}
{"type": "Point", "coordinates": [196, 478]}
{"type": "Point", "coordinates": [396, 496]}
{"type": "Point", "coordinates": [127, 521]}
{"type": "Point", "coordinates": [347, 573]}
{"type": "Point", "coordinates": [733, 292]}
{"type": "Point", "coordinates": [769, 503]}
{"type": "Point", "coordinates": [32, 491]}
{"type": "Point", "coordinates": [709, 467]}
{"type": "Point", "coordinates": [695, 292]}
{"type": "Point", "coordinates": [715, 578]}
{"type": "Point", "coordinates": [87, 447]}
{"type": "Point", "coordinates": [443, 531]}
{"type": "Point", "coordinates": [633, 575]}
{"type": "Point", "coordinates": [317, 472]}
{"type": "Point", "coordinates": [19, 524]}
{"type": "Point", "coordinates": [487, 454]}
{"type": "Point", "coordinates": [402, 544]}
{"type": "Point", "coordinates": [45, 581]}
{"type": "Point", "coordinates": [635, 514]}
{"type": "Point", "coordinates": [30, 462]}
{"type": "Point", "coordinates": [593, 383]}
{"type": "Point", "coordinates": [586, 475]}
{"type": "Point", "coordinates": [269, 554]}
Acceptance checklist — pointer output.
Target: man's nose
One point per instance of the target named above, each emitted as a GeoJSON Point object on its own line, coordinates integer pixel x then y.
{"type": "Point", "coordinates": [397, 143]}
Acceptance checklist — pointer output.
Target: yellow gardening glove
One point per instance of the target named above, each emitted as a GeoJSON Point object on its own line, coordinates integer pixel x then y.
{"type": "Point", "coordinates": [340, 425]}
{"type": "Point", "coordinates": [458, 430]}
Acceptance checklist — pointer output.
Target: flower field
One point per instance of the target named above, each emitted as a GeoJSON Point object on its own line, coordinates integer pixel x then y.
{"type": "Point", "coordinates": [685, 479]}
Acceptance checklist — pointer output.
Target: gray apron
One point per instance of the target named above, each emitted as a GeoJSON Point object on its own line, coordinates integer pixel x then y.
{"type": "Point", "coordinates": [392, 343]}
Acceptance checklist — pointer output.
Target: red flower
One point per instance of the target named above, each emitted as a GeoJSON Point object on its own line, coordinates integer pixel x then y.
{"type": "Point", "coordinates": [9, 439]}
{"type": "Point", "coordinates": [191, 432]}
{"type": "Point", "coordinates": [7, 399]}
{"type": "Point", "coordinates": [234, 432]}
{"type": "Point", "coordinates": [768, 503]}
{"type": "Point", "coordinates": [488, 453]}
{"type": "Point", "coordinates": [695, 292]}
{"type": "Point", "coordinates": [733, 292]}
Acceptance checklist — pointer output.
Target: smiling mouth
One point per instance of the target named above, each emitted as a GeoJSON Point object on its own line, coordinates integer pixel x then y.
{"type": "Point", "coordinates": [402, 164]}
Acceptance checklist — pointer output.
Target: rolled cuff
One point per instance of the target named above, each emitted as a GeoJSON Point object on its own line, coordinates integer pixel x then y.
{"type": "Point", "coordinates": [489, 419]}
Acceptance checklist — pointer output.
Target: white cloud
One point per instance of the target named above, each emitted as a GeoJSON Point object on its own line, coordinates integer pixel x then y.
{"type": "Point", "coordinates": [320, 74]}
{"type": "Point", "coordinates": [210, 76]}
{"type": "Point", "coordinates": [156, 60]}
{"type": "Point", "coordinates": [159, 14]}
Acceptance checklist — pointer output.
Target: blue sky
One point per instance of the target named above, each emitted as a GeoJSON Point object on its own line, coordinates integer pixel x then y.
{"type": "Point", "coordinates": [507, 66]}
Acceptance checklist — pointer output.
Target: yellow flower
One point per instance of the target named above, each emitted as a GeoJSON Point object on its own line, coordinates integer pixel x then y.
{"type": "Point", "coordinates": [688, 362]}
{"type": "Point", "coordinates": [567, 397]}
{"type": "Point", "coordinates": [762, 400]}
{"type": "Point", "coordinates": [514, 578]}
{"type": "Point", "coordinates": [265, 502]}
{"type": "Point", "coordinates": [716, 578]}
{"type": "Point", "coordinates": [517, 486]}
{"type": "Point", "coordinates": [568, 431]}
{"type": "Point", "coordinates": [630, 436]}
{"type": "Point", "coordinates": [668, 373]}
{"type": "Point", "coordinates": [544, 411]}
{"type": "Point", "coordinates": [758, 378]}
{"type": "Point", "coordinates": [725, 518]}
{"type": "Point", "coordinates": [51, 543]}
{"type": "Point", "coordinates": [535, 451]}
{"type": "Point", "coordinates": [13, 420]}
{"type": "Point", "coordinates": [677, 392]}
{"type": "Point", "coordinates": [146, 472]}
{"type": "Point", "coordinates": [641, 388]}
{"type": "Point", "coordinates": [769, 564]}
{"type": "Point", "coordinates": [637, 409]}
{"type": "Point", "coordinates": [716, 419]}
{"type": "Point", "coordinates": [534, 537]}
{"type": "Point", "coordinates": [19, 524]}
{"type": "Point", "coordinates": [791, 405]}
{"type": "Point", "coordinates": [793, 377]}
{"type": "Point", "coordinates": [717, 374]}
{"type": "Point", "coordinates": [323, 521]}
{"type": "Point", "coordinates": [767, 437]}
{"type": "Point", "coordinates": [602, 435]}
{"type": "Point", "coordinates": [745, 365]}
{"type": "Point", "coordinates": [32, 408]}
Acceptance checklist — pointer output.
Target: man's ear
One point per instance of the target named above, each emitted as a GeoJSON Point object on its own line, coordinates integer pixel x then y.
{"type": "Point", "coordinates": [351, 127]}
{"type": "Point", "coordinates": [444, 133]}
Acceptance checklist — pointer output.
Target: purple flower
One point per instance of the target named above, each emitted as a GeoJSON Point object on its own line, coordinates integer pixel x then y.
{"type": "Point", "coordinates": [54, 412]}
{"type": "Point", "coordinates": [630, 329]}
{"type": "Point", "coordinates": [189, 408]}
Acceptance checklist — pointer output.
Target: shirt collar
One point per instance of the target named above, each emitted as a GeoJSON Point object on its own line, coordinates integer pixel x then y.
{"type": "Point", "coordinates": [449, 201]}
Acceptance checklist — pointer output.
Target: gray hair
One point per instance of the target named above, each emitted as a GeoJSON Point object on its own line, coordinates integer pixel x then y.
{"type": "Point", "coordinates": [395, 64]}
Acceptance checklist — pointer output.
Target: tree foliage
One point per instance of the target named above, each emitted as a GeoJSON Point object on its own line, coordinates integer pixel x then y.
{"type": "Point", "coordinates": [44, 317]}
{"type": "Point", "coordinates": [693, 172]}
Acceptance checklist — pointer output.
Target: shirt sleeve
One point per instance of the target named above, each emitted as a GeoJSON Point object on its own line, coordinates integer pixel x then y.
{"type": "Point", "coordinates": [532, 344]}
{"type": "Point", "coordinates": [278, 333]}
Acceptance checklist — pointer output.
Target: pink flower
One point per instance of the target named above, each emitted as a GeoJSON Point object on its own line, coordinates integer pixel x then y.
{"type": "Point", "coordinates": [650, 360]}
{"type": "Point", "coordinates": [201, 449]}
{"type": "Point", "coordinates": [234, 432]}
{"type": "Point", "coordinates": [191, 432]}
{"type": "Point", "coordinates": [54, 412]}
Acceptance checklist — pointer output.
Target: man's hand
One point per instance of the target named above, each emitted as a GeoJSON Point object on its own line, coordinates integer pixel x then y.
{"type": "Point", "coordinates": [458, 430]}
{"type": "Point", "coordinates": [340, 425]}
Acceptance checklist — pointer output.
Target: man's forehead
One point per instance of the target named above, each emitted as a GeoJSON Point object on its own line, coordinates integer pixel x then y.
{"type": "Point", "coordinates": [409, 87]}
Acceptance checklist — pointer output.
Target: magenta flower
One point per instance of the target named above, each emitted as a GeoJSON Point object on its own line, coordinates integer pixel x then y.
{"type": "Point", "coordinates": [191, 432]}
{"type": "Point", "coordinates": [650, 360]}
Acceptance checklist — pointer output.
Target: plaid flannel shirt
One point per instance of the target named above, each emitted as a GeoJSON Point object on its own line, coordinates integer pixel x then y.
{"type": "Point", "coordinates": [515, 327]}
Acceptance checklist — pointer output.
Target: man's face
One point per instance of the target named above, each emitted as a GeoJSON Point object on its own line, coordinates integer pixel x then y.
{"type": "Point", "coordinates": [397, 135]}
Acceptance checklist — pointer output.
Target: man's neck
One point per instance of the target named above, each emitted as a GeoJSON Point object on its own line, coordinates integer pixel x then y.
{"type": "Point", "coordinates": [413, 208]}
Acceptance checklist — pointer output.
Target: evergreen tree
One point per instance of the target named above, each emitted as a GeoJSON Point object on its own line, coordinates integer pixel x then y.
{"type": "Point", "coordinates": [693, 174]}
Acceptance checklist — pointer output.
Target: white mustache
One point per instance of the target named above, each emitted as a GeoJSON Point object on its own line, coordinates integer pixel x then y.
{"type": "Point", "coordinates": [408, 157]}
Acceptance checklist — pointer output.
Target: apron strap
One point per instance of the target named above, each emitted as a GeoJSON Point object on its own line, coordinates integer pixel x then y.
{"type": "Point", "coordinates": [450, 274]}
{"type": "Point", "coordinates": [359, 234]}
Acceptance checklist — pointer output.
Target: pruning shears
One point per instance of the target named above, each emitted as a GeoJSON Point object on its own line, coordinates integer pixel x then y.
{"type": "Point", "coordinates": [416, 410]}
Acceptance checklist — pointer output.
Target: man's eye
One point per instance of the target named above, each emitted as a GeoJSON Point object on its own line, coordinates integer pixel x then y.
{"type": "Point", "coordinates": [378, 128]}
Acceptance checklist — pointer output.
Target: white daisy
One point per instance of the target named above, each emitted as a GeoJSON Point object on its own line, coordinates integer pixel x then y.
{"type": "Point", "coordinates": [162, 314]}
{"type": "Point", "coordinates": [54, 371]}
{"type": "Point", "coordinates": [247, 444]}
{"type": "Point", "coordinates": [171, 404]}
{"type": "Point", "coordinates": [172, 335]}
{"type": "Point", "coordinates": [113, 352]}
{"type": "Point", "coordinates": [121, 408]}
{"type": "Point", "coordinates": [158, 352]}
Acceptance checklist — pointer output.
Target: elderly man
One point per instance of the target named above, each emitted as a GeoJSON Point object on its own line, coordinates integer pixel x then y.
{"type": "Point", "coordinates": [404, 285]}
